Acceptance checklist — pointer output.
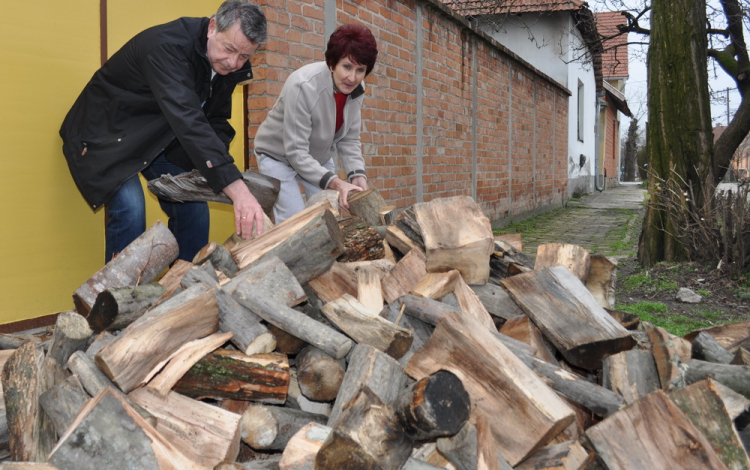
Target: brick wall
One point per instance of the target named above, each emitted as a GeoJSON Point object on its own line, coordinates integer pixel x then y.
{"type": "Point", "coordinates": [447, 110]}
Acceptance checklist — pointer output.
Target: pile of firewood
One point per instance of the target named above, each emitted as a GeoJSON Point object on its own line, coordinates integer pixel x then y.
{"type": "Point", "coordinates": [383, 339]}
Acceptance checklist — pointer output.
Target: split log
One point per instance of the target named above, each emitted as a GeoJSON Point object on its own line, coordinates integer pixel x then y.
{"type": "Point", "coordinates": [706, 348]}
{"type": "Point", "coordinates": [271, 427]}
{"type": "Point", "coordinates": [651, 433]}
{"type": "Point", "coordinates": [524, 330]}
{"type": "Point", "coordinates": [380, 444]}
{"type": "Point", "coordinates": [729, 335]}
{"type": "Point", "coordinates": [63, 402]}
{"type": "Point", "coordinates": [632, 374]}
{"type": "Point", "coordinates": [741, 357]}
{"type": "Point", "coordinates": [387, 214]}
{"type": "Point", "coordinates": [735, 404]}
{"type": "Point", "coordinates": [329, 195]}
{"type": "Point", "coordinates": [499, 384]}
{"type": "Point", "coordinates": [116, 308]}
{"type": "Point", "coordinates": [249, 335]}
{"type": "Point", "coordinates": [462, 449]}
{"type": "Point", "coordinates": [268, 462]}
{"type": "Point", "coordinates": [334, 283]}
{"type": "Point", "coordinates": [319, 374]}
{"type": "Point", "coordinates": [420, 331]}
{"type": "Point", "coordinates": [71, 334]}
{"type": "Point", "coordinates": [573, 257]}
{"type": "Point", "coordinates": [302, 449]}
{"type": "Point", "coordinates": [191, 186]}
{"type": "Point", "coordinates": [371, 368]}
{"type": "Point", "coordinates": [205, 274]}
{"type": "Point", "coordinates": [295, 399]}
{"type": "Point", "coordinates": [369, 291]}
{"type": "Point", "coordinates": [139, 263]}
{"type": "Point", "coordinates": [601, 279]}
{"type": "Point", "coordinates": [308, 243]}
{"type": "Point", "coordinates": [566, 455]}
{"type": "Point", "coordinates": [406, 220]}
{"type": "Point", "coordinates": [397, 239]}
{"type": "Point", "coordinates": [263, 378]}
{"type": "Point", "coordinates": [366, 205]}
{"type": "Point", "coordinates": [204, 433]}
{"type": "Point", "coordinates": [351, 317]}
{"type": "Point", "coordinates": [513, 240]}
{"type": "Point", "coordinates": [171, 279]}
{"type": "Point", "coordinates": [26, 466]}
{"type": "Point", "coordinates": [486, 453]}
{"type": "Point", "coordinates": [219, 257]}
{"type": "Point", "coordinates": [426, 310]}
{"type": "Point", "coordinates": [404, 276]}
{"type": "Point", "coordinates": [457, 235]}
{"type": "Point", "coordinates": [143, 345]}
{"type": "Point", "coordinates": [498, 302]}
{"type": "Point", "coordinates": [183, 359]}
{"type": "Point", "coordinates": [439, 285]}
{"type": "Point", "coordinates": [361, 241]}
{"type": "Point", "coordinates": [665, 354]}
{"type": "Point", "coordinates": [427, 452]}
{"type": "Point", "coordinates": [293, 322]}
{"type": "Point", "coordinates": [704, 407]}
{"type": "Point", "coordinates": [568, 316]}
{"type": "Point", "coordinates": [436, 406]}
{"type": "Point", "coordinates": [95, 382]}
{"type": "Point", "coordinates": [132, 442]}
{"type": "Point", "coordinates": [32, 433]}
{"type": "Point", "coordinates": [14, 341]}
{"type": "Point", "coordinates": [735, 377]}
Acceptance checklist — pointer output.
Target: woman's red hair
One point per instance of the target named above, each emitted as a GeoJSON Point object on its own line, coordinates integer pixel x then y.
{"type": "Point", "coordinates": [355, 42]}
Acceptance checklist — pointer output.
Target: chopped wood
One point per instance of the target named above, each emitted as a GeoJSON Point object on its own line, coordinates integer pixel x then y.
{"type": "Point", "coordinates": [183, 359]}
{"type": "Point", "coordinates": [204, 433]}
{"type": "Point", "coordinates": [219, 257]}
{"type": "Point", "coordinates": [116, 308]}
{"type": "Point", "coordinates": [404, 275]}
{"type": "Point", "coordinates": [457, 235]}
{"type": "Point", "coordinates": [426, 310]}
{"type": "Point", "coordinates": [295, 399]}
{"type": "Point", "coordinates": [319, 374]}
{"type": "Point", "coordinates": [439, 285]}
{"type": "Point", "coordinates": [265, 427]}
{"type": "Point", "coordinates": [581, 330]}
{"type": "Point", "coordinates": [148, 341]}
{"type": "Point", "coordinates": [601, 279]}
{"type": "Point", "coordinates": [369, 291]}
{"type": "Point", "coordinates": [364, 326]}
{"type": "Point", "coordinates": [523, 329]}
{"type": "Point", "coordinates": [374, 369]}
{"type": "Point", "coordinates": [380, 444]}
{"type": "Point", "coordinates": [302, 449]}
{"type": "Point", "coordinates": [462, 449]}
{"type": "Point", "coordinates": [497, 302]}
{"type": "Point", "coordinates": [397, 239]}
{"type": "Point", "coordinates": [361, 241]}
{"type": "Point", "coordinates": [263, 378]}
{"type": "Point", "coordinates": [435, 406]}
{"type": "Point", "coordinates": [573, 257]}
{"type": "Point", "coordinates": [330, 195]}
{"type": "Point", "coordinates": [729, 335]}
{"type": "Point", "coordinates": [32, 433]}
{"type": "Point", "coordinates": [140, 262]}
{"type": "Point", "coordinates": [192, 187]}
{"type": "Point", "coordinates": [665, 354]}
{"type": "Point", "coordinates": [108, 426]}
{"type": "Point", "coordinates": [205, 274]}
{"type": "Point", "coordinates": [632, 374]}
{"type": "Point", "coordinates": [286, 343]}
{"type": "Point", "coordinates": [735, 377]}
{"type": "Point", "coordinates": [293, 322]}
{"type": "Point", "coordinates": [651, 433]}
{"type": "Point", "coordinates": [63, 402]}
{"type": "Point", "coordinates": [387, 214]}
{"type": "Point", "coordinates": [366, 205]}
{"type": "Point", "coordinates": [706, 348]}
{"type": "Point", "coordinates": [336, 282]}
{"type": "Point", "coordinates": [741, 357]}
{"type": "Point", "coordinates": [568, 455]}
{"type": "Point", "coordinates": [71, 334]}
{"type": "Point", "coordinates": [171, 279]}
{"type": "Point", "coordinates": [249, 335]}
{"type": "Point", "coordinates": [498, 382]}
{"type": "Point", "coordinates": [511, 239]}
{"type": "Point", "coordinates": [271, 277]}
{"type": "Point", "coordinates": [703, 405]}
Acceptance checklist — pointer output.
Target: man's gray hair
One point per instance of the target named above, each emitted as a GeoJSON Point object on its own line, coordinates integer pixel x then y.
{"type": "Point", "coordinates": [252, 19]}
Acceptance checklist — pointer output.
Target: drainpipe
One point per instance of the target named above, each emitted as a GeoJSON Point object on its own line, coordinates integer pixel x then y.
{"type": "Point", "coordinates": [600, 104]}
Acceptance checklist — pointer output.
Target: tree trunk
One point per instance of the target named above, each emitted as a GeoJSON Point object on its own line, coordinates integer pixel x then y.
{"type": "Point", "coordinates": [680, 136]}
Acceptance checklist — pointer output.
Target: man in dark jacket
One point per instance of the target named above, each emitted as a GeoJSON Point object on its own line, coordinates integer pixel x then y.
{"type": "Point", "coordinates": [161, 105]}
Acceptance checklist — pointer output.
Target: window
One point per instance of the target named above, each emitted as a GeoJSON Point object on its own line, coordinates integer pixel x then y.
{"type": "Point", "coordinates": [580, 110]}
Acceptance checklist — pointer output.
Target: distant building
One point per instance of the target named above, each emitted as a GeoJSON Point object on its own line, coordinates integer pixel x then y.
{"type": "Point", "coordinates": [739, 169]}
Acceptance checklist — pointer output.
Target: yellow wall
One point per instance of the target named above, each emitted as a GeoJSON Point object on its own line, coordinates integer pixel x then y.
{"type": "Point", "coordinates": [50, 240]}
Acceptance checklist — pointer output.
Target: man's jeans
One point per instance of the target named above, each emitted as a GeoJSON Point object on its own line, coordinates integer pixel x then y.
{"type": "Point", "coordinates": [125, 215]}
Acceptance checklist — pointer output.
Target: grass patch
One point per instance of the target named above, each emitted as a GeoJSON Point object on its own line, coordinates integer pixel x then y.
{"type": "Point", "coordinates": [656, 313]}
{"type": "Point", "coordinates": [649, 283]}
{"type": "Point", "coordinates": [532, 224]}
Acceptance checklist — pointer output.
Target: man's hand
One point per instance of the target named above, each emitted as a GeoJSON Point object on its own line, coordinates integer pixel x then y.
{"type": "Point", "coordinates": [247, 210]}
{"type": "Point", "coordinates": [344, 188]}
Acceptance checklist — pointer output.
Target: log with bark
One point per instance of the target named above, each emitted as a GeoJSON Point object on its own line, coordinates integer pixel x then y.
{"type": "Point", "coordinates": [366, 205]}
{"type": "Point", "coordinates": [265, 427]}
{"type": "Point", "coordinates": [191, 187]}
{"type": "Point", "coordinates": [118, 307]}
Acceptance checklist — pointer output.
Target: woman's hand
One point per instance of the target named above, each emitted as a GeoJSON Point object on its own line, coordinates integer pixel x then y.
{"type": "Point", "coordinates": [345, 188]}
{"type": "Point", "coordinates": [247, 209]}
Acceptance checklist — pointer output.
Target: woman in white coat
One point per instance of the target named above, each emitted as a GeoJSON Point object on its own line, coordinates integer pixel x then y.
{"type": "Point", "coordinates": [317, 117]}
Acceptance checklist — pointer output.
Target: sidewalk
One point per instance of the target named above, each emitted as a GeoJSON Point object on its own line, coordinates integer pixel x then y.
{"type": "Point", "coordinates": [607, 223]}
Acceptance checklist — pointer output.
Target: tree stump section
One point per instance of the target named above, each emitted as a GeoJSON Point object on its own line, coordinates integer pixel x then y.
{"type": "Point", "coordinates": [366, 205]}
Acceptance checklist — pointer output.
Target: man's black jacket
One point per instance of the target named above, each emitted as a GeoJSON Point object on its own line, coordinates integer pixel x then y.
{"type": "Point", "coordinates": [148, 98]}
